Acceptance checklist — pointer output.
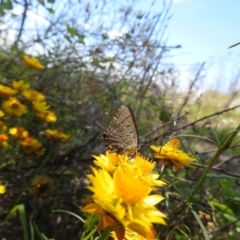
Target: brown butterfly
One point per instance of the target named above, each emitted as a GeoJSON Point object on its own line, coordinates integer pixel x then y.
{"type": "Point", "coordinates": [121, 135]}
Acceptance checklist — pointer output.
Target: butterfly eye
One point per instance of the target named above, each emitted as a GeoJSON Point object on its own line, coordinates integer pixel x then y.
{"type": "Point", "coordinates": [121, 135]}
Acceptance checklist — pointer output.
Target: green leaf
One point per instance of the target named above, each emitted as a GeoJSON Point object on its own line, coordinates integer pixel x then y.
{"type": "Point", "coordinates": [22, 216]}
{"type": "Point", "coordinates": [13, 15]}
{"type": "Point", "coordinates": [67, 38]}
{"type": "Point", "coordinates": [7, 5]}
{"type": "Point", "coordinates": [221, 207]}
{"type": "Point", "coordinates": [31, 227]}
{"type": "Point", "coordinates": [51, 1]}
{"type": "Point", "coordinates": [95, 62]}
{"type": "Point", "coordinates": [2, 12]}
{"type": "Point", "coordinates": [72, 31]}
{"type": "Point", "coordinates": [50, 10]}
{"type": "Point", "coordinates": [128, 36]}
{"type": "Point", "coordinates": [164, 115]}
{"type": "Point", "coordinates": [232, 219]}
{"type": "Point", "coordinates": [124, 85]}
{"type": "Point", "coordinates": [40, 235]}
{"type": "Point", "coordinates": [205, 233]}
{"type": "Point", "coordinates": [41, 2]}
{"type": "Point", "coordinates": [111, 66]}
{"type": "Point", "coordinates": [104, 36]}
{"type": "Point", "coordinates": [236, 199]}
{"type": "Point", "coordinates": [81, 38]}
{"type": "Point", "coordinates": [70, 213]}
{"type": "Point", "coordinates": [105, 60]}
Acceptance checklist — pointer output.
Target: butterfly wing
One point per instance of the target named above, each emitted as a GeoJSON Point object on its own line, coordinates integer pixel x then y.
{"type": "Point", "coordinates": [121, 135]}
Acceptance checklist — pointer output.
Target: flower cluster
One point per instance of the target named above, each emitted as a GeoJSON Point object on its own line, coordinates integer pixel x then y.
{"type": "Point", "coordinates": [18, 100]}
{"type": "Point", "coordinates": [121, 193]}
{"type": "Point", "coordinates": [28, 143]}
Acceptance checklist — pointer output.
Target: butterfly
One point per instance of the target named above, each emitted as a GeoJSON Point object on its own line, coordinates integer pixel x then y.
{"type": "Point", "coordinates": [121, 136]}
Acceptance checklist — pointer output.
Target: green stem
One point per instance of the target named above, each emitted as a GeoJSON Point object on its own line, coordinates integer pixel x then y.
{"type": "Point", "coordinates": [219, 152]}
{"type": "Point", "coordinates": [90, 234]}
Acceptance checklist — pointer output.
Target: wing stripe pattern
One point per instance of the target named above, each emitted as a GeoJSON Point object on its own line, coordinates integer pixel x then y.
{"type": "Point", "coordinates": [121, 135]}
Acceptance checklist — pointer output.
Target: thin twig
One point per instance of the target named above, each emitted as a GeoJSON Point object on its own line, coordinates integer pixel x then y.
{"type": "Point", "coordinates": [23, 21]}
{"type": "Point", "coordinates": [192, 123]}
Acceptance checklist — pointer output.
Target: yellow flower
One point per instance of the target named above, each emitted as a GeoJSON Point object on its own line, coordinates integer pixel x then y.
{"type": "Point", "coordinates": [31, 145]}
{"type": "Point", "coordinates": [7, 91]}
{"type": "Point", "coordinates": [13, 107]}
{"type": "Point", "coordinates": [18, 132]}
{"type": "Point", "coordinates": [33, 95]}
{"type": "Point", "coordinates": [2, 189]}
{"type": "Point", "coordinates": [142, 166]}
{"type": "Point", "coordinates": [109, 161]}
{"type": "Point", "coordinates": [41, 186]}
{"type": "Point", "coordinates": [20, 86]}
{"type": "Point", "coordinates": [130, 235]}
{"type": "Point", "coordinates": [56, 134]}
{"type": "Point", "coordinates": [124, 198]}
{"type": "Point", "coordinates": [169, 154]}
{"type": "Point", "coordinates": [3, 140]}
{"type": "Point", "coordinates": [33, 63]}
{"type": "Point", "coordinates": [2, 125]}
{"type": "Point", "coordinates": [42, 112]}
{"type": "Point", "coordinates": [41, 107]}
{"type": "Point", "coordinates": [146, 168]}
{"type": "Point", "coordinates": [1, 114]}
{"type": "Point", "coordinates": [47, 116]}
{"type": "Point", "coordinates": [105, 220]}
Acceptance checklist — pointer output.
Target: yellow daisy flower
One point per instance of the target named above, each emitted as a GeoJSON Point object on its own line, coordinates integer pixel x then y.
{"type": "Point", "coordinates": [109, 161]}
{"type": "Point", "coordinates": [41, 107]}
{"type": "Point", "coordinates": [2, 189]}
{"type": "Point", "coordinates": [3, 140]}
{"type": "Point", "coordinates": [169, 154]}
{"type": "Point", "coordinates": [31, 145]}
{"type": "Point", "coordinates": [20, 86]}
{"type": "Point", "coordinates": [47, 116]}
{"type": "Point", "coordinates": [33, 63]}
{"type": "Point", "coordinates": [1, 114]}
{"type": "Point", "coordinates": [124, 198]}
{"type": "Point", "coordinates": [130, 235]}
{"type": "Point", "coordinates": [105, 220]}
{"type": "Point", "coordinates": [7, 91]}
{"type": "Point", "coordinates": [56, 134]}
{"type": "Point", "coordinates": [33, 95]}
{"type": "Point", "coordinates": [146, 167]}
{"type": "Point", "coordinates": [19, 132]}
{"type": "Point", "coordinates": [13, 107]}
{"type": "Point", "coordinates": [142, 166]}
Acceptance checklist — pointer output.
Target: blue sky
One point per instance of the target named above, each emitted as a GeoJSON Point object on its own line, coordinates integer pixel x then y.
{"type": "Point", "coordinates": [205, 29]}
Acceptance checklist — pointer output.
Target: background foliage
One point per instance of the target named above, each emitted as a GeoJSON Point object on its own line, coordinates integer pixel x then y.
{"type": "Point", "coordinates": [99, 55]}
